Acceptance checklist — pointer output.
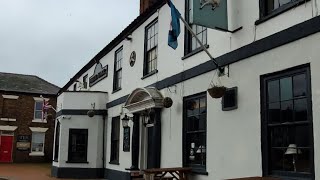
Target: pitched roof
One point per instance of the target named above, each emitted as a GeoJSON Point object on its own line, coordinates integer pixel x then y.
{"type": "Point", "coordinates": [127, 31]}
{"type": "Point", "coordinates": [26, 84]}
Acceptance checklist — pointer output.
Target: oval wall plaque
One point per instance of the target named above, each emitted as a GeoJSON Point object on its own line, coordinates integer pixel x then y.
{"type": "Point", "coordinates": [132, 59]}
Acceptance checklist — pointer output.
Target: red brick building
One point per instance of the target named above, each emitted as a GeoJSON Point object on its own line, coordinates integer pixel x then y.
{"type": "Point", "coordinates": [24, 135]}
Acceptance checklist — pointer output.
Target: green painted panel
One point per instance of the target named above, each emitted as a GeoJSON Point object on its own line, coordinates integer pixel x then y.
{"type": "Point", "coordinates": [215, 19]}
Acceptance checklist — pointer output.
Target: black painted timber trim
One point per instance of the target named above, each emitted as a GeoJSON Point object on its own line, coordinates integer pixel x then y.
{"type": "Point", "coordinates": [116, 175]}
{"type": "Point", "coordinates": [281, 38]}
{"type": "Point", "coordinates": [78, 173]}
{"type": "Point", "coordinates": [80, 112]}
{"type": "Point", "coordinates": [117, 101]}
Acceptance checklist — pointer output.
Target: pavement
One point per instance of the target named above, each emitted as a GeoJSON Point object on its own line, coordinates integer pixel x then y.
{"type": "Point", "coordinates": [26, 172]}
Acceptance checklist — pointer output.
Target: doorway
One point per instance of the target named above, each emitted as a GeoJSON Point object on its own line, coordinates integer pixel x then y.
{"type": "Point", "coordinates": [6, 147]}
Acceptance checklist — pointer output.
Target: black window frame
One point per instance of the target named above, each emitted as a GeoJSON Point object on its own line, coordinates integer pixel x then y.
{"type": "Point", "coordinates": [291, 72]}
{"type": "Point", "coordinates": [117, 72]}
{"type": "Point", "coordinates": [115, 141]}
{"type": "Point", "coordinates": [188, 37]}
{"type": "Point", "coordinates": [85, 81]}
{"type": "Point", "coordinates": [75, 87]}
{"type": "Point", "coordinates": [224, 108]}
{"type": "Point", "coordinates": [57, 142]}
{"type": "Point", "coordinates": [146, 71]}
{"type": "Point", "coordinates": [264, 15]}
{"type": "Point", "coordinates": [72, 159]}
{"type": "Point", "coordinates": [196, 169]}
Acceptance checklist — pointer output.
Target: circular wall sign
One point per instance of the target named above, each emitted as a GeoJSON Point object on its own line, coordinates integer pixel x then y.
{"type": "Point", "coordinates": [132, 59]}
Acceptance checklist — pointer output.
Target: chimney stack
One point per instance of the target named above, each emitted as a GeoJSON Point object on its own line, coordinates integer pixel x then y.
{"type": "Point", "coordinates": [145, 4]}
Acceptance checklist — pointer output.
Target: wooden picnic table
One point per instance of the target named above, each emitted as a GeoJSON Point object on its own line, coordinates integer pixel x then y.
{"type": "Point", "coordinates": [179, 173]}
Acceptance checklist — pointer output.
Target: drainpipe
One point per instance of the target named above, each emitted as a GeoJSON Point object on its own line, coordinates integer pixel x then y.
{"type": "Point", "coordinates": [103, 142]}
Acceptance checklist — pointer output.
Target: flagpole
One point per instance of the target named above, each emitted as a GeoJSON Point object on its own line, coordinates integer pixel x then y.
{"type": "Point", "coordinates": [201, 44]}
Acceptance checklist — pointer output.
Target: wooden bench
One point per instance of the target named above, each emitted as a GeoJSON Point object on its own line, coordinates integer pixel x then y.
{"type": "Point", "coordinates": [178, 173]}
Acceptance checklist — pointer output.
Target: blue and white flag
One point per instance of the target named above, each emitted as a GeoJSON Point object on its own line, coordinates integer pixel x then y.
{"type": "Point", "coordinates": [175, 26]}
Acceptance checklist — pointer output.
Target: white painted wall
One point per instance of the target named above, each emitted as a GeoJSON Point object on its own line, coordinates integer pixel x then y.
{"type": "Point", "coordinates": [94, 126]}
{"type": "Point", "coordinates": [82, 100]}
{"type": "Point", "coordinates": [169, 60]}
{"type": "Point", "coordinates": [234, 138]}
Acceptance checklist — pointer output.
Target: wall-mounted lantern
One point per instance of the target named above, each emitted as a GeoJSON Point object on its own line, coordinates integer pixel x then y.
{"type": "Point", "coordinates": [125, 121]}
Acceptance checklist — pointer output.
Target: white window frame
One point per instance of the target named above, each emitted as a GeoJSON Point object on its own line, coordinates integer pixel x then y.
{"type": "Point", "coordinates": [37, 120]}
{"type": "Point", "coordinates": [38, 130]}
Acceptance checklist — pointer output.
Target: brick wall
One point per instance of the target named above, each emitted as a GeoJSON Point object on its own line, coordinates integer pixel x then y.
{"type": "Point", "coordinates": [22, 110]}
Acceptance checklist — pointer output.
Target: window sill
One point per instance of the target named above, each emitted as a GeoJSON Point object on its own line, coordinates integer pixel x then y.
{"type": "Point", "coordinates": [39, 121]}
{"type": "Point", "coordinates": [77, 162]}
{"type": "Point", "coordinates": [36, 154]}
{"type": "Point", "coordinates": [150, 74]}
{"type": "Point", "coordinates": [116, 90]}
{"type": "Point", "coordinates": [8, 119]}
{"type": "Point", "coordinates": [280, 11]}
{"type": "Point", "coordinates": [114, 163]}
{"type": "Point", "coordinates": [194, 52]}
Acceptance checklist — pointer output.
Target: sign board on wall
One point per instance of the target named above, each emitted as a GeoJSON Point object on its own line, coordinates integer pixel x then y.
{"type": "Point", "coordinates": [206, 14]}
{"type": "Point", "coordinates": [126, 139]}
{"type": "Point", "coordinates": [216, 14]}
{"type": "Point", "coordinates": [100, 73]}
{"type": "Point", "coordinates": [23, 142]}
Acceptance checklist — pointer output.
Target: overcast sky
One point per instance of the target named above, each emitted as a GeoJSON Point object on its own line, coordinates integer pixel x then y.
{"type": "Point", "coordinates": [54, 39]}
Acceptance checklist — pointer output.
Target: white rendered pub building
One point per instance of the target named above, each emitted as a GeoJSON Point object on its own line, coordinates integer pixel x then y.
{"type": "Point", "coordinates": [266, 125]}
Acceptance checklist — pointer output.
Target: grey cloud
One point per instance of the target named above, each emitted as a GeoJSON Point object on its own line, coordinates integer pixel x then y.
{"type": "Point", "coordinates": [55, 38]}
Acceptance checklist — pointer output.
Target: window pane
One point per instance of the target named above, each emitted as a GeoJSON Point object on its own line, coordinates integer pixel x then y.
{"type": "Point", "coordinates": [156, 40]}
{"type": "Point", "coordinates": [194, 43]}
{"type": "Point", "coordinates": [37, 142]}
{"type": "Point", "coordinates": [300, 110]}
{"type": "Point", "coordinates": [38, 115]}
{"type": "Point", "coordinates": [282, 159]}
{"type": "Point", "coordinates": [195, 148]}
{"type": "Point", "coordinates": [149, 33]}
{"type": "Point", "coordinates": [274, 113]}
{"type": "Point", "coordinates": [39, 105]}
{"type": "Point", "coordinates": [287, 111]}
{"type": "Point", "coordinates": [300, 85]}
{"type": "Point", "coordinates": [278, 159]}
{"type": "Point", "coordinates": [273, 91]}
{"type": "Point", "coordinates": [203, 122]}
{"type": "Point", "coordinates": [278, 137]}
{"type": "Point", "coordinates": [283, 2]}
{"type": "Point", "coordinates": [78, 144]}
{"type": "Point", "coordinates": [286, 88]}
{"type": "Point", "coordinates": [193, 107]}
{"type": "Point", "coordinates": [204, 41]}
{"type": "Point", "coordinates": [203, 106]}
{"type": "Point", "coordinates": [193, 123]}
{"type": "Point", "coordinates": [148, 44]}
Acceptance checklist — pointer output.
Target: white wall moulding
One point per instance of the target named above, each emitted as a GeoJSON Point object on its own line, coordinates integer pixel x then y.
{"type": "Point", "coordinates": [144, 98]}
{"type": "Point", "coordinates": [8, 119]}
{"type": "Point", "coordinates": [39, 121]}
{"type": "Point", "coordinates": [10, 97]}
{"type": "Point", "coordinates": [8, 128]}
{"type": "Point", "coordinates": [82, 100]}
{"type": "Point", "coordinates": [38, 129]}
{"type": "Point", "coordinates": [40, 99]}
{"type": "Point", "coordinates": [36, 154]}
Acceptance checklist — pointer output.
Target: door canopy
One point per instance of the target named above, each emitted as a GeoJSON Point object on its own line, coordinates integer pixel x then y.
{"type": "Point", "coordinates": [144, 98]}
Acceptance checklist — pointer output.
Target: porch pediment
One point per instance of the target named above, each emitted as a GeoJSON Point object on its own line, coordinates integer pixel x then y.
{"type": "Point", "coordinates": [144, 98]}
